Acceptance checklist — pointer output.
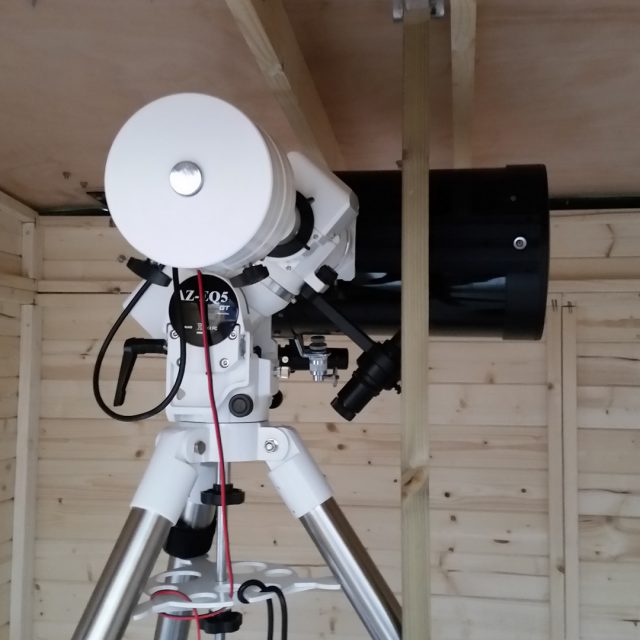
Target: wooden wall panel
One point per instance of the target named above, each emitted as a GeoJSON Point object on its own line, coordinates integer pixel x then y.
{"type": "Point", "coordinates": [10, 310]}
{"type": "Point", "coordinates": [607, 247]}
{"type": "Point", "coordinates": [489, 458]}
{"type": "Point", "coordinates": [608, 376]}
{"type": "Point", "coordinates": [488, 454]}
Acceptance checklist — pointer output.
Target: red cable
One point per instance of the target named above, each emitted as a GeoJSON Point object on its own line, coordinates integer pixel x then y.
{"type": "Point", "coordinates": [196, 616]}
{"type": "Point", "coordinates": [216, 424]}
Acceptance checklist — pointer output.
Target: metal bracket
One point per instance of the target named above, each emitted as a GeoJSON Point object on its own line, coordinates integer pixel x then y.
{"type": "Point", "coordinates": [400, 6]}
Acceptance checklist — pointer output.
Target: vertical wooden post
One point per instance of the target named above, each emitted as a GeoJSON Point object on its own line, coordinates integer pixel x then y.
{"type": "Point", "coordinates": [24, 518]}
{"type": "Point", "coordinates": [570, 471]}
{"type": "Point", "coordinates": [463, 63]}
{"type": "Point", "coordinates": [416, 591]}
{"type": "Point", "coordinates": [555, 469]}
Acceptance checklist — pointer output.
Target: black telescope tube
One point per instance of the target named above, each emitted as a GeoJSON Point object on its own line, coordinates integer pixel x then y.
{"type": "Point", "coordinates": [488, 255]}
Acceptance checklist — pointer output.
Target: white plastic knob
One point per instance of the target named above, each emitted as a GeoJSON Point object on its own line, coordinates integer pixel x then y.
{"type": "Point", "coordinates": [191, 182]}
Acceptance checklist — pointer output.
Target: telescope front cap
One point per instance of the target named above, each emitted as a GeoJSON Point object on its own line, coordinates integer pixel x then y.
{"type": "Point", "coordinates": [191, 182]}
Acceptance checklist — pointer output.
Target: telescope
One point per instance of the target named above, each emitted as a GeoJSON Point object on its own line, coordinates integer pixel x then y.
{"type": "Point", "coordinates": [246, 245]}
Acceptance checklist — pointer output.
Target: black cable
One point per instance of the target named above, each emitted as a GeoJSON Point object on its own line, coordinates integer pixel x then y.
{"type": "Point", "coordinates": [284, 617]}
{"type": "Point", "coordinates": [260, 585]}
{"type": "Point", "coordinates": [107, 342]}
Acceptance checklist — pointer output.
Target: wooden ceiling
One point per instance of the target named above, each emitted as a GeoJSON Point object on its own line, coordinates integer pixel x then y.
{"type": "Point", "coordinates": [555, 81]}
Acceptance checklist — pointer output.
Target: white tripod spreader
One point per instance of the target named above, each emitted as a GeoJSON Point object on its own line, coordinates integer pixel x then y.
{"type": "Point", "coordinates": [217, 195]}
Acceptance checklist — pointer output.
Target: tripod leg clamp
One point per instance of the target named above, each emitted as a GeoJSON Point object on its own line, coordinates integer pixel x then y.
{"type": "Point", "coordinates": [297, 477]}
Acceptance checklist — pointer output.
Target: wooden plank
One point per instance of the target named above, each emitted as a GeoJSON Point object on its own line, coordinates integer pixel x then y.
{"type": "Point", "coordinates": [588, 268]}
{"type": "Point", "coordinates": [555, 471]}
{"type": "Point", "coordinates": [600, 622]}
{"type": "Point", "coordinates": [10, 263]}
{"type": "Point", "coordinates": [9, 356]}
{"type": "Point", "coordinates": [52, 559]}
{"type": "Point", "coordinates": [7, 438]}
{"type": "Point", "coordinates": [31, 250]}
{"type": "Point", "coordinates": [612, 235]}
{"type": "Point", "coordinates": [282, 539]}
{"type": "Point", "coordinates": [86, 286]}
{"type": "Point", "coordinates": [4, 602]}
{"type": "Point", "coordinates": [570, 473]}
{"type": "Point", "coordinates": [24, 530]}
{"type": "Point", "coordinates": [416, 578]}
{"type": "Point", "coordinates": [463, 63]}
{"type": "Point", "coordinates": [329, 442]}
{"type": "Point", "coordinates": [610, 583]}
{"type": "Point", "coordinates": [611, 318]}
{"type": "Point", "coordinates": [593, 285]}
{"type": "Point", "coordinates": [608, 407]}
{"type": "Point", "coordinates": [17, 282]}
{"type": "Point", "coordinates": [608, 450]}
{"type": "Point", "coordinates": [9, 318]}
{"type": "Point", "coordinates": [15, 295]}
{"type": "Point", "coordinates": [7, 478]}
{"type": "Point", "coordinates": [80, 243]}
{"type": "Point", "coordinates": [76, 221]}
{"type": "Point", "coordinates": [5, 561]}
{"type": "Point", "coordinates": [490, 405]}
{"type": "Point", "coordinates": [10, 239]}
{"type": "Point", "coordinates": [6, 520]}
{"type": "Point", "coordinates": [454, 618]}
{"type": "Point", "coordinates": [609, 538]}
{"type": "Point", "coordinates": [514, 490]}
{"type": "Point", "coordinates": [14, 209]}
{"type": "Point", "coordinates": [609, 364]}
{"type": "Point", "coordinates": [268, 33]}
{"type": "Point", "coordinates": [8, 397]}
{"type": "Point", "coordinates": [609, 494]}
{"type": "Point", "coordinates": [449, 362]}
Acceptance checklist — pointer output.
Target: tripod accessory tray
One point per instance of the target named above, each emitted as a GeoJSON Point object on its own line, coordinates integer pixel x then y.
{"type": "Point", "coordinates": [196, 579]}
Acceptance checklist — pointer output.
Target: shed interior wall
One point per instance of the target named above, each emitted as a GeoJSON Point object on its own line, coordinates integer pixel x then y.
{"type": "Point", "coordinates": [14, 293]}
{"type": "Point", "coordinates": [492, 491]}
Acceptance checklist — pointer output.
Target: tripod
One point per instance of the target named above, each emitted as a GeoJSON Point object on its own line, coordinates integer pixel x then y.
{"type": "Point", "coordinates": [185, 461]}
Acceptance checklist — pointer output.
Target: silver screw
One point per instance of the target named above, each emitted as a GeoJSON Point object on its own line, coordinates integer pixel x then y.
{"type": "Point", "coordinates": [520, 243]}
{"type": "Point", "coordinates": [233, 335]}
{"type": "Point", "coordinates": [271, 445]}
{"type": "Point", "coordinates": [224, 363]}
{"type": "Point", "coordinates": [186, 178]}
{"type": "Point", "coordinates": [199, 447]}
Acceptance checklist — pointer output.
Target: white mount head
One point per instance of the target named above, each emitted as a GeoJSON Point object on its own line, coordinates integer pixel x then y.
{"type": "Point", "coordinates": [192, 183]}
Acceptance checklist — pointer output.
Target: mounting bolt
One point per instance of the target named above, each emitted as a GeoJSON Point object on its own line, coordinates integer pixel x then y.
{"type": "Point", "coordinates": [199, 447]}
{"type": "Point", "coordinates": [233, 335]}
{"type": "Point", "coordinates": [224, 363]}
{"type": "Point", "coordinates": [270, 445]}
{"type": "Point", "coordinates": [520, 243]}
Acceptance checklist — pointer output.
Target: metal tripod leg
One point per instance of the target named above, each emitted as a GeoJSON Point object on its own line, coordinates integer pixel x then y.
{"type": "Point", "coordinates": [304, 490]}
{"type": "Point", "coordinates": [361, 581]}
{"type": "Point", "coordinates": [107, 614]}
{"type": "Point", "coordinates": [156, 506]}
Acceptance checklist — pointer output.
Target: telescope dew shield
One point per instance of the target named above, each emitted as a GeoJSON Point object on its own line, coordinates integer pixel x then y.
{"type": "Point", "coordinates": [488, 255]}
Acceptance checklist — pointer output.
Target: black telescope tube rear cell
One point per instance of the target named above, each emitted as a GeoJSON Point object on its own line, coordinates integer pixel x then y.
{"type": "Point", "coordinates": [488, 255]}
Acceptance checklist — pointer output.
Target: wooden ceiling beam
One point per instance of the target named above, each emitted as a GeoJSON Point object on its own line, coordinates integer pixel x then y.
{"type": "Point", "coordinates": [267, 31]}
{"type": "Point", "coordinates": [463, 63]}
